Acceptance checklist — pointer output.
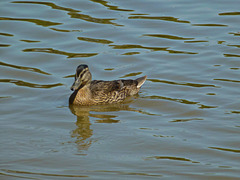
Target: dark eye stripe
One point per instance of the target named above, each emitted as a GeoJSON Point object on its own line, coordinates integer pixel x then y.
{"type": "Point", "coordinates": [80, 74]}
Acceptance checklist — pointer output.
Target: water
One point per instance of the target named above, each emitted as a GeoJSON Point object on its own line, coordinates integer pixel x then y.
{"type": "Point", "coordinates": [184, 124]}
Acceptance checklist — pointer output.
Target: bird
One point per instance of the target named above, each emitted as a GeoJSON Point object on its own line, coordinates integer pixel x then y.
{"type": "Point", "coordinates": [87, 92]}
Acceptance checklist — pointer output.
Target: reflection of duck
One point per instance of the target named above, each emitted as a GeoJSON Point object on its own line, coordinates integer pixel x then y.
{"type": "Point", "coordinates": [88, 92]}
{"type": "Point", "coordinates": [108, 113]}
{"type": "Point", "coordinates": [100, 113]}
{"type": "Point", "coordinates": [83, 132]}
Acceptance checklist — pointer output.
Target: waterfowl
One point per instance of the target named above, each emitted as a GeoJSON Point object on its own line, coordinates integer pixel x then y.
{"type": "Point", "coordinates": [88, 92]}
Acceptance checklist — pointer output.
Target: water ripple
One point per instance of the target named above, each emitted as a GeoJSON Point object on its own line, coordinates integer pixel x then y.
{"type": "Point", "coordinates": [64, 30]}
{"type": "Point", "coordinates": [166, 36]}
{"type": "Point", "coordinates": [54, 51]}
{"type": "Point", "coordinates": [226, 149]}
{"type": "Point", "coordinates": [228, 80]}
{"type": "Point", "coordinates": [5, 45]}
{"type": "Point", "coordinates": [29, 41]}
{"type": "Point", "coordinates": [183, 84]}
{"type": "Point", "coordinates": [183, 101]}
{"type": "Point", "coordinates": [171, 158]}
{"type": "Point", "coordinates": [41, 174]}
{"type": "Point", "coordinates": [231, 55]}
{"type": "Point", "coordinates": [52, 5]}
{"type": "Point", "coordinates": [235, 112]}
{"type": "Point", "coordinates": [105, 3]}
{"type": "Point", "coordinates": [131, 74]}
{"type": "Point", "coordinates": [129, 173]}
{"type": "Point", "coordinates": [163, 18]}
{"type": "Point", "coordinates": [35, 21]}
{"type": "Point", "coordinates": [130, 53]}
{"type": "Point", "coordinates": [135, 46]}
{"type": "Point", "coordinates": [180, 52]}
{"type": "Point", "coordinates": [24, 68]}
{"type": "Point", "coordinates": [229, 14]}
{"type": "Point", "coordinates": [6, 34]}
{"type": "Point", "coordinates": [27, 84]}
{"type": "Point", "coordinates": [211, 25]}
{"type": "Point", "coordinates": [186, 120]}
{"type": "Point", "coordinates": [92, 19]}
{"type": "Point", "coordinates": [102, 41]}
{"type": "Point", "coordinates": [238, 46]}
{"type": "Point", "coordinates": [199, 41]}
{"type": "Point", "coordinates": [235, 34]}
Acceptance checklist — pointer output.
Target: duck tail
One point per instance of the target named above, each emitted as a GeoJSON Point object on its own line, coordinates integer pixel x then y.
{"type": "Point", "coordinates": [141, 81]}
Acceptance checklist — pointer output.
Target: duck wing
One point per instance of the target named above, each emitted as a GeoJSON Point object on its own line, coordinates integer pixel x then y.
{"type": "Point", "coordinates": [117, 85]}
{"type": "Point", "coordinates": [105, 86]}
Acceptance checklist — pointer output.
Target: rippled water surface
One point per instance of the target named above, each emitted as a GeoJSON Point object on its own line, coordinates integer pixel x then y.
{"type": "Point", "coordinates": [184, 123]}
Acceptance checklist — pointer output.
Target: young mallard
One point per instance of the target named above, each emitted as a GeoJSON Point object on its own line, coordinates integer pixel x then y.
{"type": "Point", "coordinates": [88, 92]}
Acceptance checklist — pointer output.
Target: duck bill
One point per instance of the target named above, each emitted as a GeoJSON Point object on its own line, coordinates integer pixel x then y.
{"type": "Point", "coordinates": [76, 84]}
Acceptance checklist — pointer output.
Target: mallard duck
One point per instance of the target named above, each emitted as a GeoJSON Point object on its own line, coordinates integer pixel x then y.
{"type": "Point", "coordinates": [88, 92]}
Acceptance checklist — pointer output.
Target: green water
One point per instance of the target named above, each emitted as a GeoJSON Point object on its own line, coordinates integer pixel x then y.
{"type": "Point", "coordinates": [184, 123]}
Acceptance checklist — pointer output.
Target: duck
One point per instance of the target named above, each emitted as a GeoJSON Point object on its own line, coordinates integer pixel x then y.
{"type": "Point", "coordinates": [87, 92]}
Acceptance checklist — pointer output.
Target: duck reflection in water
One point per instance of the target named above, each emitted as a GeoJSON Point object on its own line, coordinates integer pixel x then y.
{"type": "Point", "coordinates": [103, 114]}
{"type": "Point", "coordinates": [83, 132]}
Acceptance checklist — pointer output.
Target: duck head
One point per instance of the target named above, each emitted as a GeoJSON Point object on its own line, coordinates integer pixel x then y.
{"type": "Point", "coordinates": [82, 77]}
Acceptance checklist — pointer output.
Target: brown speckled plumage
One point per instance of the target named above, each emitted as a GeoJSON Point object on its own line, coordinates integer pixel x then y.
{"type": "Point", "coordinates": [88, 92]}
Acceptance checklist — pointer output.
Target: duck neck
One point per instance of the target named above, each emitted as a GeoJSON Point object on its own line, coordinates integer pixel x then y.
{"type": "Point", "coordinates": [82, 88]}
